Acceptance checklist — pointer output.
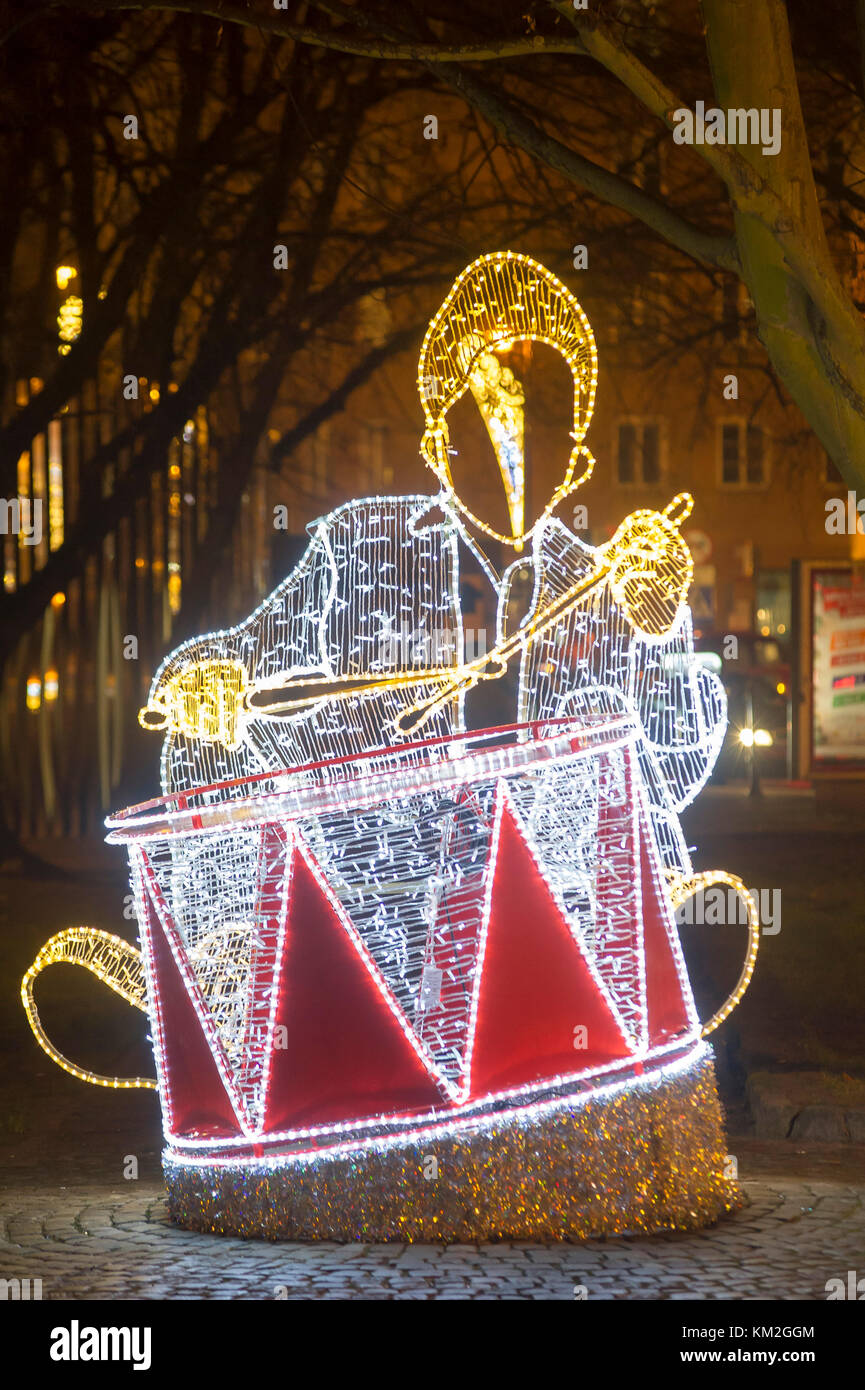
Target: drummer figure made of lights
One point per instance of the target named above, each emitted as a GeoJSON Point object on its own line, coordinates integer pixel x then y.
{"type": "Point", "coordinates": [318, 670]}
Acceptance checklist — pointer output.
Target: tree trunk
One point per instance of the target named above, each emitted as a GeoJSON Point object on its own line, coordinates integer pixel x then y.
{"type": "Point", "coordinates": [819, 357]}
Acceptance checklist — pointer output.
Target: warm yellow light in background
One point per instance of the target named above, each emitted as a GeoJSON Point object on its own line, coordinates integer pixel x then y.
{"type": "Point", "coordinates": [755, 738]}
{"type": "Point", "coordinates": [69, 322]}
{"type": "Point", "coordinates": [52, 686]}
{"type": "Point", "coordinates": [64, 274]}
{"type": "Point", "coordinates": [55, 485]}
{"type": "Point", "coordinates": [34, 692]}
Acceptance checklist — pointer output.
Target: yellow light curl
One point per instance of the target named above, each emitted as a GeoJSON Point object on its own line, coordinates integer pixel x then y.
{"type": "Point", "coordinates": [683, 888]}
{"type": "Point", "coordinates": [110, 959]}
{"type": "Point", "coordinates": [206, 701]}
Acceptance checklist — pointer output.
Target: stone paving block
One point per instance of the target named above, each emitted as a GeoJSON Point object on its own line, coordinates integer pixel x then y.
{"type": "Point", "coordinates": [790, 1239]}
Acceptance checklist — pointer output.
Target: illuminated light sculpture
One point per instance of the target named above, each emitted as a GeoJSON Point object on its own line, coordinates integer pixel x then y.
{"type": "Point", "coordinates": [498, 300]}
{"type": "Point", "coordinates": [206, 701]}
{"type": "Point", "coordinates": [500, 399]}
{"type": "Point", "coordinates": [406, 981]}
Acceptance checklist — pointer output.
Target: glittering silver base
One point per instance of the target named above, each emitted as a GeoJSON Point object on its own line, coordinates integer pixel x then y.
{"type": "Point", "coordinates": [648, 1157]}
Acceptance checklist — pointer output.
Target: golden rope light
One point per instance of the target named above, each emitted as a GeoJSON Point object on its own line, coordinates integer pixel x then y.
{"type": "Point", "coordinates": [502, 298]}
{"type": "Point", "coordinates": [683, 888]}
{"type": "Point", "coordinates": [205, 701]}
{"type": "Point", "coordinates": [110, 959]}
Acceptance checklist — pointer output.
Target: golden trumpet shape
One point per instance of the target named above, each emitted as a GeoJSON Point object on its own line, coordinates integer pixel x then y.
{"type": "Point", "coordinates": [206, 701]}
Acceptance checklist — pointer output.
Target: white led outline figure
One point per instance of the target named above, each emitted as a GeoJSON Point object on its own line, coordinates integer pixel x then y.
{"type": "Point", "coordinates": [618, 730]}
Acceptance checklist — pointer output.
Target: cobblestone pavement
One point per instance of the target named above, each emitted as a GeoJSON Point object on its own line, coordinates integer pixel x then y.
{"type": "Point", "coordinates": [100, 1243]}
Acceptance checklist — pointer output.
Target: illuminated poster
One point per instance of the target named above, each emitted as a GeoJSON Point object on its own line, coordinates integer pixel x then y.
{"type": "Point", "coordinates": [839, 665]}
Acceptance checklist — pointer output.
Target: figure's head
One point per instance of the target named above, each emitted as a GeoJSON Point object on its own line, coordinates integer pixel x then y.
{"type": "Point", "coordinates": [499, 300]}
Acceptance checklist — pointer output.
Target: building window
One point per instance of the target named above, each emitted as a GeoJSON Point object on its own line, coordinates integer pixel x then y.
{"type": "Point", "coordinates": [742, 455]}
{"type": "Point", "coordinates": [638, 452]}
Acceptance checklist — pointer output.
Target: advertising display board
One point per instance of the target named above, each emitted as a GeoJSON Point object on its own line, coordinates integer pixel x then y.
{"type": "Point", "coordinates": [838, 666]}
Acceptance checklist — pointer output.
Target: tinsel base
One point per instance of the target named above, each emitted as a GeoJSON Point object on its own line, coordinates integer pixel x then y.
{"type": "Point", "coordinates": [646, 1157]}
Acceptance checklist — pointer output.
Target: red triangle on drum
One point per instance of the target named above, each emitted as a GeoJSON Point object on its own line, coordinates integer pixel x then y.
{"type": "Point", "coordinates": [669, 1007]}
{"type": "Point", "coordinates": [197, 1100]}
{"type": "Point", "coordinates": [536, 986]}
{"type": "Point", "coordinates": [340, 1048]}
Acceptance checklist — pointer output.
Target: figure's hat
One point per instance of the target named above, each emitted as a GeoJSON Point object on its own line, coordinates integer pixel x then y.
{"type": "Point", "coordinates": [498, 300]}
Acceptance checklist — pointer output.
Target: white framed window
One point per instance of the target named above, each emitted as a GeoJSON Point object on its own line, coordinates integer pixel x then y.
{"type": "Point", "coordinates": [638, 446]}
{"type": "Point", "coordinates": [743, 455]}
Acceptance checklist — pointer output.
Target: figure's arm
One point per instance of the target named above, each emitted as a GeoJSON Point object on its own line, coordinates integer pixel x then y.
{"type": "Point", "coordinates": [682, 707]}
